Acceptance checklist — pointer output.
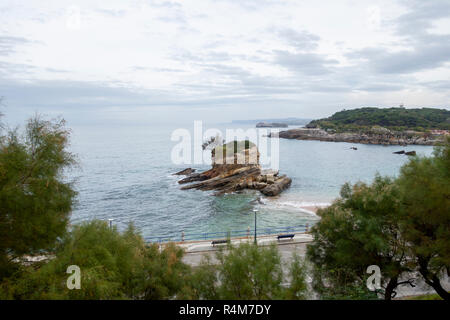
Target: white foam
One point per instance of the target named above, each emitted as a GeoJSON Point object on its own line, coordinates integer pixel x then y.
{"type": "Point", "coordinates": [300, 206]}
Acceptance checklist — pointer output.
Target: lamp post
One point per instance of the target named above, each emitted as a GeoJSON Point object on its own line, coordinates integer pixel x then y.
{"type": "Point", "coordinates": [255, 211]}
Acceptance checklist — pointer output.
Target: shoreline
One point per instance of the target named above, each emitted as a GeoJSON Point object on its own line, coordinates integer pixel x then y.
{"type": "Point", "coordinates": [312, 209]}
{"type": "Point", "coordinates": [382, 138]}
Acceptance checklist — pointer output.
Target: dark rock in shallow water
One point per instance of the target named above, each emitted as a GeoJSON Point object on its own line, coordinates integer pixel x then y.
{"type": "Point", "coordinates": [410, 153]}
{"type": "Point", "coordinates": [192, 178]}
{"type": "Point", "coordinates": [399, 152]}
{"type": "Point", "coordinates": [185, 172]}
{"type": "Point", "coordinates": [277, 187]}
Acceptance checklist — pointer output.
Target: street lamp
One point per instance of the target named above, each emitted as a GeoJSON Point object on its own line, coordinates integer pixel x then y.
{"type": "Point", "coordinates": [255, 211]}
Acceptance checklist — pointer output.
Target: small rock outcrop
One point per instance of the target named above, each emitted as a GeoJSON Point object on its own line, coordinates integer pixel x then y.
{"type": "Point", "coordinates": [236, 170]}
{"type": "Point", "coordinates": [410, 153]}
{"type": "Point", "coordinates": [271, 125]}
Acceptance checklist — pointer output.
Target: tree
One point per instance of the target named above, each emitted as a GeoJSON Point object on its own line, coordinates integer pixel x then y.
{"type": "Point", "coordinates": [425, 187]}
{"type": "Point", "coordinates": [248, 272]}
{"type": "Point", "coordinates": [358, 230]}
{"type": "Point", "coordinates": [113, 265]}
{"type": "Point", "coordinates": [35, 201]}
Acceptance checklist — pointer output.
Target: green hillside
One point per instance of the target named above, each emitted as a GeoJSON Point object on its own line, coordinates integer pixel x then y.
{"type": "Point", "coordinates": [392, 118]}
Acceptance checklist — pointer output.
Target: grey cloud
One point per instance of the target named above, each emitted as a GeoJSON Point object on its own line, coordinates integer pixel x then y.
{"type": "Point", "coordinates": [7, 68]}
{"type": "Point", "coordinates": [71, 94]}
{"type": "Point", "coordinates": [421, 14]}
{"type": "Point", "coordinates": [165, 4]}
{"type": "Point", "coordinates": [380, 87]}
{"type": "Point", "coordinates": [301, 40]}
{"type": "Point", "coordinates": [305, 63]}
{"type": "Point", "coordinates": [437, 85]}
{"type": "Point", "coordinates": [56, 70]}
{"type": "Point", "coordinates": [425, 50]}
{"type": "Point", "coordinates": [427, 55]}
{"type": "Point", "coordinates": [253, 4]}
{"type": "Point", "coordinates": [8, 44]}
{"type": "Point", "coordinates": [112, 12]}
{"type": "Point", "coordinates": [141, 68]}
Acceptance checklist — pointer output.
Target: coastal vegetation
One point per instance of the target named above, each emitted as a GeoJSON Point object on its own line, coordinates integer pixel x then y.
{"type": "Point", "coordinates": [397, 119]}
{"type": "Point", "coordinates": [35, 201]}
{"type": "Point", "coordinates": [401, 225]}
{"type": "Point", "coordinates": [391, 126]}
{"type": "Point", "coordinates": [249, 272]}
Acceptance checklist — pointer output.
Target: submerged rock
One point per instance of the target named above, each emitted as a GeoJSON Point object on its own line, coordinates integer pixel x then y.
{"type": "Point", "coordinates": [277, 187]}
{"type": "Point", "coordinates": [184, 172]}
{"type": "Point", "coordinates": [235, 169]}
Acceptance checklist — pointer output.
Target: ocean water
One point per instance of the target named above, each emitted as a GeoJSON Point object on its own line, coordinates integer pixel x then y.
{"type": "Point", "coordinates": [125, 174]}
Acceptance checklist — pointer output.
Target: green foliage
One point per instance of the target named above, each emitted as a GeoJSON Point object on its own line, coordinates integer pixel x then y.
{"type": "Point", "coordinates": [236, 146]}
{"type": "Point", "coordinates": [35, 201]}
{"type": "Point", "coordinates": [248, 272]}
{"type": "Point", "coordinates": [425, 297]}
{"type": "Point", "coordinates": [358, 230]}
{"type": "Point", "coordinates": [391, 118]}
{"type": "Point", "coordinates": [113, 265]}
{"type": "Point", "coordinates": [401, 225]}
{"type": "Point", "coordinates": [425, 187]}
{"type": "Point", "coordinates": [298, 288]}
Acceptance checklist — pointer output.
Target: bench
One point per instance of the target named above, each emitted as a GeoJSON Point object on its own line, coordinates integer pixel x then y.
{"type": "Point", "coordinates": [285, 236]}
{"type": "Point", "coordinates": [218, 242]}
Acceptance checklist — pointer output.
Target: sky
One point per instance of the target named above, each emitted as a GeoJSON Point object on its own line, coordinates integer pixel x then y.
{"type": "Point", "coordinates": [146, 61]}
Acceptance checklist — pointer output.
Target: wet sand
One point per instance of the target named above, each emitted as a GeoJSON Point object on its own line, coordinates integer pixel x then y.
{"type": "Point", "coordinates": [312, 209]}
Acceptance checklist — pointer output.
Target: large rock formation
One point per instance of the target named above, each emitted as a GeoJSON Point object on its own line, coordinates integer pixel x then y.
{"type": "Point", "coordinates": [235, 166]}
{"type": "Point", "coordinates": [375, 135]}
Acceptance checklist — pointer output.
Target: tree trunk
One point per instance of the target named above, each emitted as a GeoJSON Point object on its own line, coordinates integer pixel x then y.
{"type": "Point", "coordinates": [393, 282]}
{"type": "Point", "coordinates": [432, 279]}
{"type": "Point", "coordinates": [436, 284]}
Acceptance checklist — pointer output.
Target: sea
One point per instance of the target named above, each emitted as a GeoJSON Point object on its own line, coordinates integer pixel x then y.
{"type": "Point", "coordinates": [125, 173]}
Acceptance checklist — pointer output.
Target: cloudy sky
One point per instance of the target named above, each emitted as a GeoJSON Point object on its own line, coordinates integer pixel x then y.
{"type": "Point", "coordinates": [146, 60]}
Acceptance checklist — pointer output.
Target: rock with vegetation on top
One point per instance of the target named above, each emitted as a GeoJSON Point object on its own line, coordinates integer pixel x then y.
{"type": "Point", "coordinates": [235, 167]}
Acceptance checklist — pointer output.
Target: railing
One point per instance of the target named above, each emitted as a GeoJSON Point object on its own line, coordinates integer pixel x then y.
{"type": "Point", "coordinates": [181, 236]}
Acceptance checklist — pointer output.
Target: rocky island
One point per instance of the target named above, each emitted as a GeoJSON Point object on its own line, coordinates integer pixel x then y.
{"type": "Point", "coordinates": [375, 135]}
{"type": "Point", "coordinates": [236, 171]}
{"type": "Point", "coordinates": [271, 125]}
{"type": "Point", "coordinates": [393, 126]}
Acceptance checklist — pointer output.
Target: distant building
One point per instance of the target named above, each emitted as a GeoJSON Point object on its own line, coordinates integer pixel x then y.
{"type": "Point", "coordinates": [440, 132]}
